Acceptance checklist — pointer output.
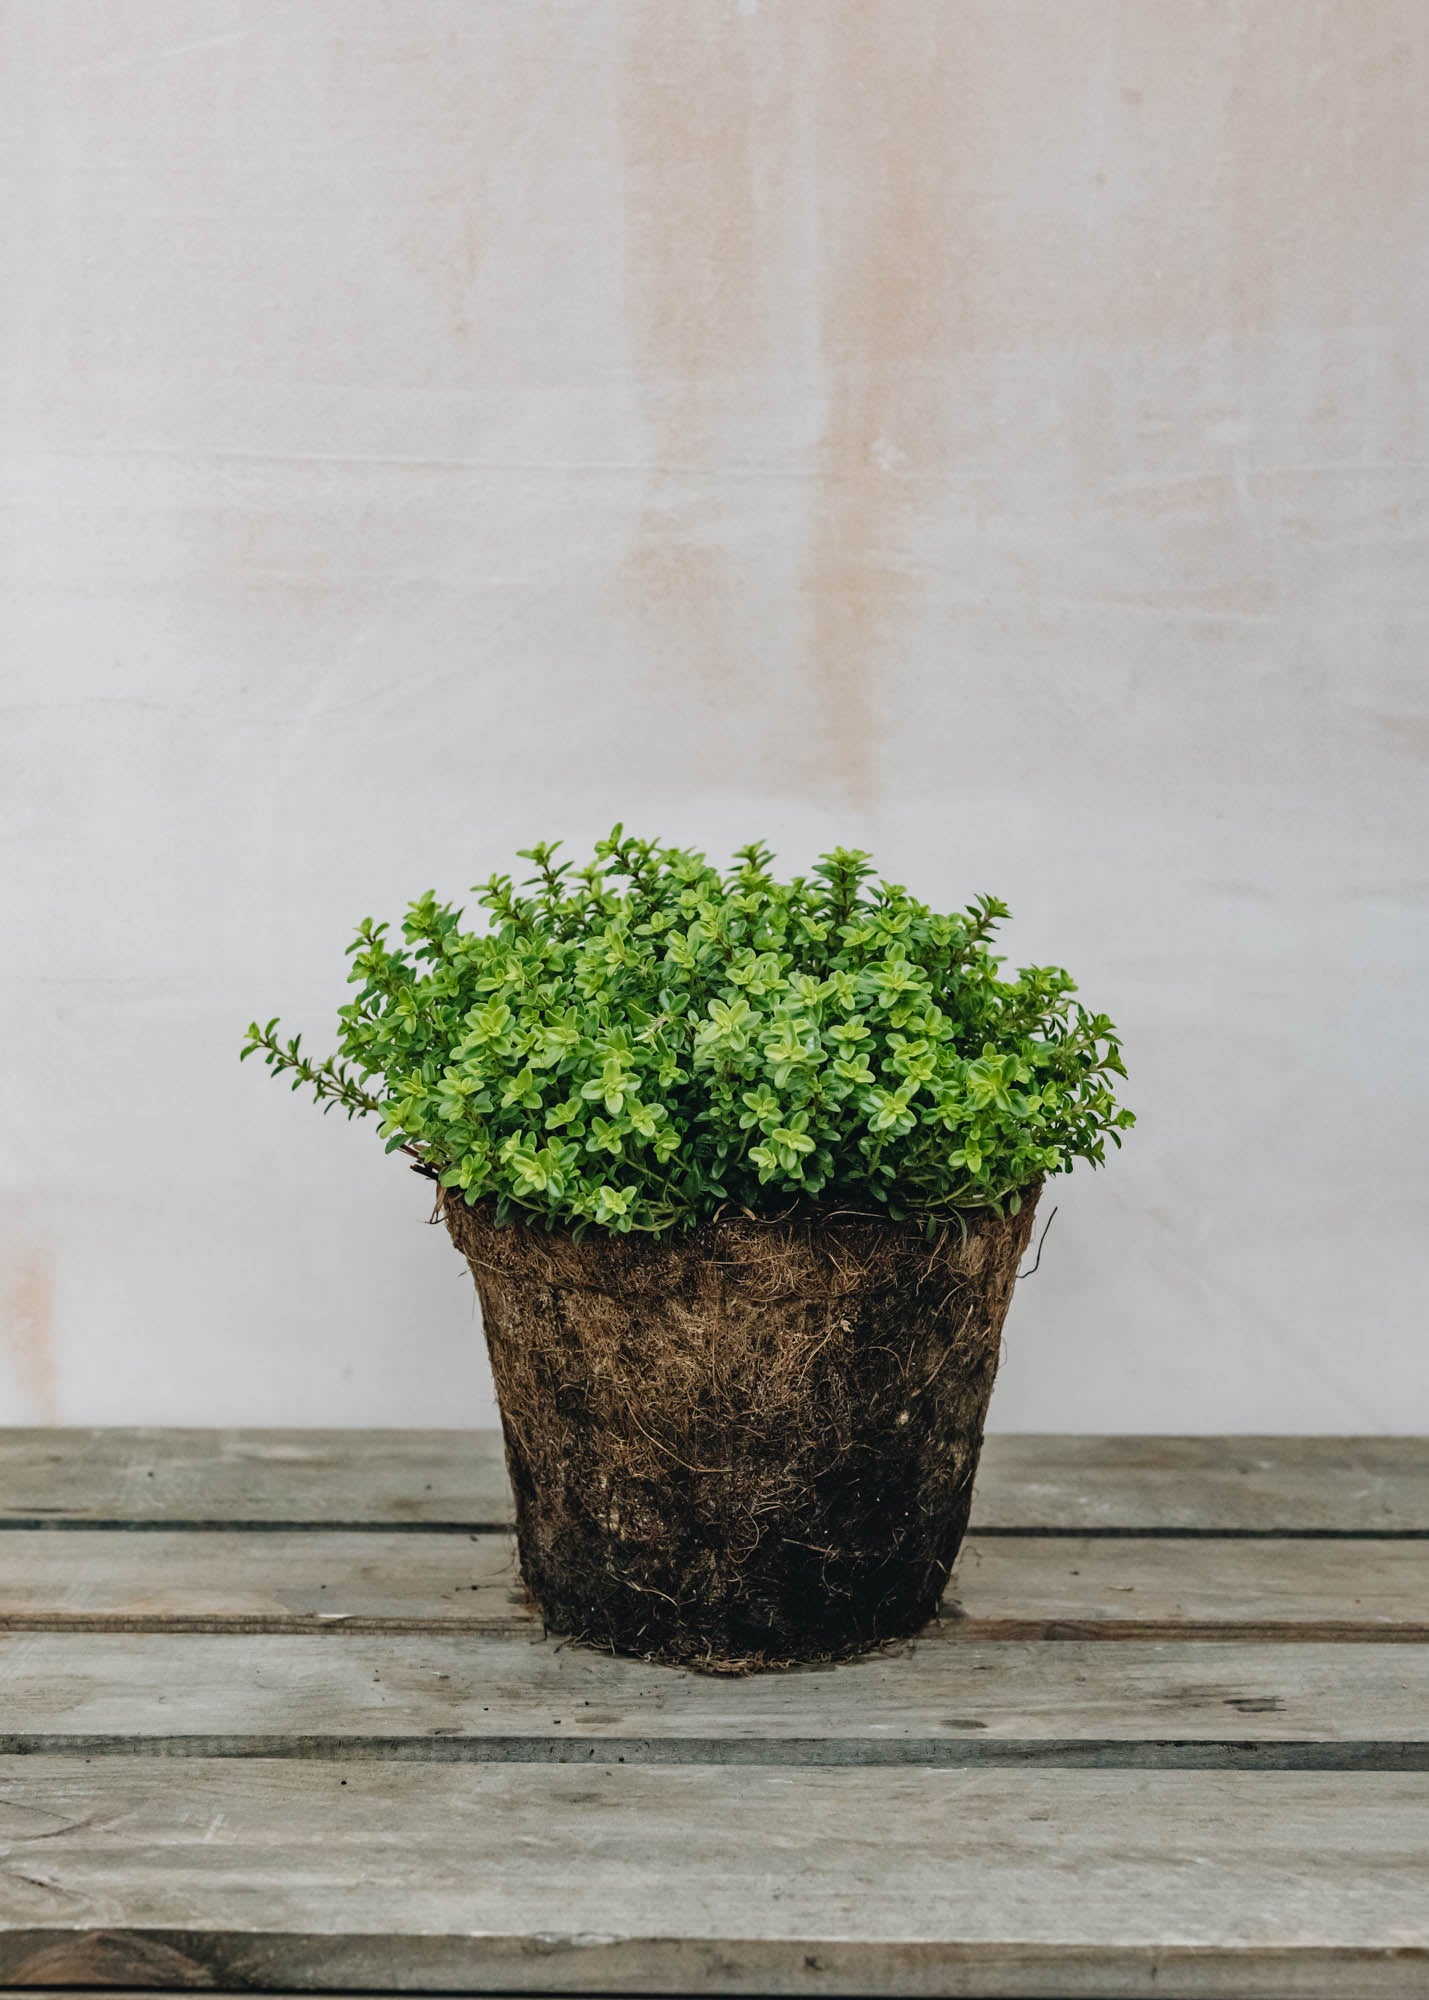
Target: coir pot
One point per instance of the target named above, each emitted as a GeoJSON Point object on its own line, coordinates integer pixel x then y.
{"type": "Point", "coordinates": [751, 1444]}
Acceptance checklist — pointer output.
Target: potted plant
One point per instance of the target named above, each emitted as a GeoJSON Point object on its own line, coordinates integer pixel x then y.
{"type": "Point", "coordinates": [743, 1170]}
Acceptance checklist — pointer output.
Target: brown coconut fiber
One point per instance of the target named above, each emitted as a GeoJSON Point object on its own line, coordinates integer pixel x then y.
{"type": "Point", "coordinates": [750, 1445]}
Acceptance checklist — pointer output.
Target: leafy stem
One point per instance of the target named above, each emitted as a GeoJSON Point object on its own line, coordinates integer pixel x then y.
{"type": "Point", "coordinates": [330, 1081]}
{"type": "Point", "coordinates": [644, 1038]}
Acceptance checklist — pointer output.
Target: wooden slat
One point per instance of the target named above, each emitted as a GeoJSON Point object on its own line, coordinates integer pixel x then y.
{"type": "Point", "coordinates": [1003, 1588]}
{"type": "Point", "coordinates": [644, 1879]}
{"type": "Point", "coordinates": [1260, 1485]}
{"type": "Point", "coordinates": [942, 1690]}
{"type": "Point", "coordinates": [1086, 1587]}
{"type": "Point", "coordinates": [399, 1478]}
{"type": "Point", "coordinates": [306, 1580]}
{"type": "Point", "coordinates": [383, 1477]}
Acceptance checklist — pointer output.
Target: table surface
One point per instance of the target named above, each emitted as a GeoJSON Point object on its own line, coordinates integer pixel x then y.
{"type": "Point", "coordinates": [275, 1716]}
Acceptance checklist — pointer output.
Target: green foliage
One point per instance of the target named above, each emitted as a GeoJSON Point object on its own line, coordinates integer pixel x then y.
{"type": "Point", "coordinates": [633, 1043]}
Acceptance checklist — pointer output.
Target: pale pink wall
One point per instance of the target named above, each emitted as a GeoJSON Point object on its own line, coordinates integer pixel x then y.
{"type": "Point", "coordinates": [990, 433]}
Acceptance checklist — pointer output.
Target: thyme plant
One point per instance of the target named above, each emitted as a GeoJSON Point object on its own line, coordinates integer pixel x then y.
{"type": "Point", "coordinates": [636, 1042]}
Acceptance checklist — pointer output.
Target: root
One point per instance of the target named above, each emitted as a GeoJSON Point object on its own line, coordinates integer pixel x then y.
{"type": "Point", "coordinates": [749, 1446]}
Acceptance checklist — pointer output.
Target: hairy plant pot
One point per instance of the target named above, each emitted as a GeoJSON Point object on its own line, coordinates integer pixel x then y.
{"type": "Point", "coordinates": [746, 1446]}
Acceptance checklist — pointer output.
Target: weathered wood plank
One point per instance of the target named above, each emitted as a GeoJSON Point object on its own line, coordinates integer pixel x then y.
{"type": "Point", "coordinates": [390, 1478]}
{"type": "Point", "coordinates": [422, 1478]}
{"type": "Point", "coordinates": [642, 1879]}
{"type": "Point", "coordinates": [1014, 1588]}
{"type": "Point", "coordinates": [231, 1580]}
{"type": "Point", "coordinates": [942, 1689]}
{"type": "Point", "coordinates": [1261, 1485]}
{"type": "Point", "coordinates": [1086, 1587]}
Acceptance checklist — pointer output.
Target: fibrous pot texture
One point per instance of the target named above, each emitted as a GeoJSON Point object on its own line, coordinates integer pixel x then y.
{"type": "Point", "coordinates": [750, 1445]}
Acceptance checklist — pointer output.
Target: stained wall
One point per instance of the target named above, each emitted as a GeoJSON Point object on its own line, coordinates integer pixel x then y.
{"type": "Point", "coordinates": [988, 431]}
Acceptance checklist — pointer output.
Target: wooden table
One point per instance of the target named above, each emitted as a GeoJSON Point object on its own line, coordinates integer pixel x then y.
{"type": "Point", "coordinates": [275, 1716]}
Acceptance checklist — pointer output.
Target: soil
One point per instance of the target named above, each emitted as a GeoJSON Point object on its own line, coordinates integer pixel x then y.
{"type": "Point", "coordinates": [751, 1445]}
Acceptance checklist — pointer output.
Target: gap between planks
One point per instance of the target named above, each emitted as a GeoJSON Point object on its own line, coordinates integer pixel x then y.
{"type": "Point", "coordinates": [780, 1753]}
{"type": "Point", "coordinates": [36, 1523]}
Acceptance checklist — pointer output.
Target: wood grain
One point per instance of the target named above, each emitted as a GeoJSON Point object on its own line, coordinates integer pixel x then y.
{"type": "Point", "coordinates": [1253, 1590]}
{"type": "Point", "coordinates": [328, 1747]}
{"type": "Point", "coordinates": [235, 1581]}
{"type": "Point", "coordinates": [400, 1479]}
{"type": "Point", "coordinates": [1205, 1485]}
{"type": "Point", "coordinates": [944, 1689]}
{"type": "Point", "coordinates": [1003, 1588]}
{"type": "Point", "coordinates": [641, 1880]}
{"type": "Point", "coordinates": [387, 1478]}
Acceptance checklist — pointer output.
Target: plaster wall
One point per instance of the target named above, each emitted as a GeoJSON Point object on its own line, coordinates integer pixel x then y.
{"type": "Point", "coordinates": [992, 432]}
